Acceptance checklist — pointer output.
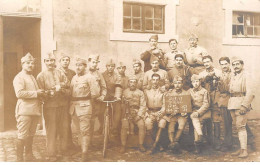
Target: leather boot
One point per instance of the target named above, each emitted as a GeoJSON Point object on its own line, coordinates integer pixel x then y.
{"type": "Point", "coordinates": [141, 135]}
{"type": "Point", "coordinates": [171, 138]}
{"type": "Point", "coordinates": [84, 147]}
{"type": "Point", "coordinates": [236, 153]}
{"type": "Point", "coordinates": [19, 150]}
{"type": "Point", "coordinates": [243, 153]}
{"type": "Point", "coordinates": [197, 148]}
{"type": "Point", "coordinates": [154, 147]}
{"type": "Point", "coordinates": [28, 149]}
{"type": "Point", "coordinates": [141, 148]}
{"type": "Point", "coordinates": [217, 145]}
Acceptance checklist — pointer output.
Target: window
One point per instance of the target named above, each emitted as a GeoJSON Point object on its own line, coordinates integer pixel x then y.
{"type": "Point", "coordinates": [245, 24]}
{"type": "Point", "coordinates": [143, 18]}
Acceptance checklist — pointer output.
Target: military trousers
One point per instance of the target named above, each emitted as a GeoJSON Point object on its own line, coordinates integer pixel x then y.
{"type": "Point", "coordinates": [56, 124]}
{"type": "Point", "coordinates": [26, 125]}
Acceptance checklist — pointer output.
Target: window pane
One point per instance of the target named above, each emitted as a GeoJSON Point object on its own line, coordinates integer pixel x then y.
{"type": "Point", "coordinates": [158, 25]}
{"type": "Point", "coordinates": [249, 20]}
{"type": "Point", "coordinates": [149, 12]}
{"type": "Point", "coordinates": [127, 23]}
{"type": "Point", "coordinates": [257, 31]}
{"type": "Point", "coordinates": [237, 18]}
{"type": "Point", "coordinates": [249, 30]}
{"type": "Point", "coordinates": [127, 10]}
{"type": "Point", "coordinates": [137, 24]}
{"type": "Point", "coordinates": [257, 20]}
{"type": "Point", "coordinates": [157, 12]}
{"type": "Point", "coordinates": [148, 24]}
{"type": "Point", "coordinates": [136, 11]}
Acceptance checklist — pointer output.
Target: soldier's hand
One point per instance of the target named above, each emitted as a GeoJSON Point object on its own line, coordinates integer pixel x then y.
{"type": "Point", "coordinates": [57, 88]}
{"type": "Point", "coordinates": [242, 110]}
{"type": "Point", "coordinates": [137, 118]}
{"type": "Point", "coordinates": [101, 98]}
{"type": "Point", "coordinates": [40, 92]}
{"type": "Point", "coordinates": [195, 114]}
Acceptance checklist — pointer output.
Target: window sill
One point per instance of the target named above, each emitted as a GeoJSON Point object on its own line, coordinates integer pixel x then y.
{"type": "Point", "coordinates": [241, 41]}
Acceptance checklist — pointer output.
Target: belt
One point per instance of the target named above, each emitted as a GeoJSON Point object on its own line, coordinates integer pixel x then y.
{"type": "Point", "coordinates": [80, 98]}
{"type": "Point", "coordinates": [238, 94]}
{"type": "Point", "coordinates": [154, 109]}
{"type": "Point", "coordinates": [134, 107]}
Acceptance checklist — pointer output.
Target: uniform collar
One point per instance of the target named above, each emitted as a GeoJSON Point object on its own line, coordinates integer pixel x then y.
{"type": "Point", "coordinates": [198, 89]}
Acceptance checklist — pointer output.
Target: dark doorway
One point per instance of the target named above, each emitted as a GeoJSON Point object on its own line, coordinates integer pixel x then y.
{"type": "Point", "coordinates": [21, 35]}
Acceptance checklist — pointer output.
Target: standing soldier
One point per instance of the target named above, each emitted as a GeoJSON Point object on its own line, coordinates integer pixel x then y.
{"type": "Point", "coordinates": [194, 54]}
{"type": "Point", "coordinates": [81, 106]}
{"type": "Point", "coordinates": [164, 80]}
{"type": "Point", "coordinates": [241, 96]}
{"type": "Point", "coordinates": [137, 108]}
{"type": "Point", "coordinates": [153, 53]}
{"type": "Point", "coordinates": [121, 67]}
{"type": "Point", "coordinates": [55, 114]}
{"type": "Point", "coordinates": [223, 89]}
{"type": "Point", "coordinates": [114, 92]}
{"type": "Point", "coordinates": [154, 100]}
{"type": "Point", "coordinates": [138, 73]}
{"type": "Point", "coordinates": [182, 70]}
{"type": "Point", "coordinates": [28, 107]}
{"type": "Point", "coordinates": [169, 57]}
{"type": "Point", "coordinates": [175, 115]}
{"type": "Point", "coordinates": [210, 77]}
{"type": "Point", "coordinates": [98, 89]}
{"type": "Point", "coordinates": [200, 103]}
{"type": "Point", "coordinates": [64, 67]}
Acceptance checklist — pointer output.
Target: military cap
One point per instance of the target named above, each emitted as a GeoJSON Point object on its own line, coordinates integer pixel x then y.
{"type": "Point", "coordinates": [121, 64]}
{"type": "Point", "coordinates": [63, 55]}
{"type": "Point", "coordinates": [179, 55]}
{"type": "Point", "coordinates": [27, 57]}
{"type": "Point", "coordinates": [136, 61]}
{"type": "Point", "coordinates": [132, 77]}
{"type": "Point", "coordinates": [110, 62]}
{"type": "Point", "coordinates": [81, 61]}
{"type": "Point", "coordinates": [177, 78]}
{"type": "Point", "coordinates": [94, 57]}
{"type": "Point", "coordinates": [154, 37]}
{"type": "Point", "coordinates": [49, 56]}
{"type": "Point", "coordinates": [195, 77]}
{"type": "Point", "coordinates": [235, 58]}
{"type": "Point", "coordinates": [194, 36]}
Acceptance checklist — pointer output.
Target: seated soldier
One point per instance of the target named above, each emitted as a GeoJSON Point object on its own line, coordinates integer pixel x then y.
{"type": "Point", "coordinates": [173, 113]}
{"type": "Point", "coordinates": [154, 99]}
{"type": "Point", "coordinates": [133, 114]}
{"type": "Point", "coordinates": [200, 104]}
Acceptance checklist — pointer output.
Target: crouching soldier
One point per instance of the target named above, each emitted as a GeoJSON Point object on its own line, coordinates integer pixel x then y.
{"type": "Point", "coordinates": [81, 107]}
{"type": "Point", "coordinates": [200, 104]}
{"type": "Point", "coordinates": [27, 111]}
{"type": "Point", "coordinates": [177, 105]}
{"type": "Point", "coordinates": [133, 113]}
{"type": "Point", "coordinates": [154, 100]}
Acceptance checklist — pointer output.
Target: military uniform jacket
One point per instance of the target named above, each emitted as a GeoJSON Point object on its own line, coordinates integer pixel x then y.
{"type": "Point", "coordinates": [193, 56]}
{"type": "Point", "coordinates": [81, 89]}
{"type": "Point", "coordinates": [223, 89]}
{"type": "Point", "coordinates": [184, 72]}
{"type": "Point", "coordinates": [200, 101]}
{"type": "Point", "coordinates": [148, 76]}
{"type": "Point", "coordinates": [154, 98]}
{"type": "Point", "coordinates": [136, 99]}
{"type": "Point", "coordinates": [98, 85]}
{"type": "Point", "coordinates": [148, 57]}
{"type": "Point", "coordinates": [169, 58]}
{"type": "Point", "coordinates": [113, 83]}
{"type": "Point", "coordinates": [211, 88]}
{"type": "Point", "coordinates": [47, 80]}
{"type": "Point", "coordinates": [241, 91]}
{"type": "Point", "coordinates": [140, 79]}
{"type": "Point", "coordinates": [25, 87]}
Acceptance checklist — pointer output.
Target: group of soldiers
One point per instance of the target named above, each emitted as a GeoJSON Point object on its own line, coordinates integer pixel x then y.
{"type": "Point", "coordinates": [65, 97]}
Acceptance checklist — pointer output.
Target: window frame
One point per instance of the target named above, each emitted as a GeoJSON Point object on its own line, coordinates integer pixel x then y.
{"type": "Point", "coordinates": [143, 18]}
{"type": "Point", "coordinates": [170, 17]}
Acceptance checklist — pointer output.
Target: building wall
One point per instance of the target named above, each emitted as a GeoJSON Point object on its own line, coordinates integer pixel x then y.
{"type": "Point", "coordinates": [83, 27]}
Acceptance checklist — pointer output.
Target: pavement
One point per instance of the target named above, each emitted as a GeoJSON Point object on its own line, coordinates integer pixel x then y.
{"type": "Point", "coordinates": [8, 150]}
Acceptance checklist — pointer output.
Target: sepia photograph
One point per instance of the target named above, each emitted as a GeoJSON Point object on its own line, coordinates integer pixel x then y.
{"type": "Point", "coordinates": [129, 81]}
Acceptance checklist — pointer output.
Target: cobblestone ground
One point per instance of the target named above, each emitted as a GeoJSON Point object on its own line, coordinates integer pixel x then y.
{"type": "Point", "coordinates": [8, 153]}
